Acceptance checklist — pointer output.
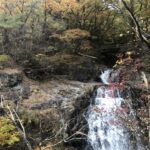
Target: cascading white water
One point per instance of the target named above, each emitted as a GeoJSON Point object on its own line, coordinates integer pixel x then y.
{"type": "Point", "coordinates": [107, 131]}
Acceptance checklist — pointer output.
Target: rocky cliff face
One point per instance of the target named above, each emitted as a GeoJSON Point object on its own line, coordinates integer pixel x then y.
{"type": "Point", "coordinates": [52, 109]}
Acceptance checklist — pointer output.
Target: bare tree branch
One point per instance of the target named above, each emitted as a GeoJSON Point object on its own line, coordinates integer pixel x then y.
{"type": "Point", "coordinates": [138, 28]}
{"type": "Point", "coordinates": [16, 120]}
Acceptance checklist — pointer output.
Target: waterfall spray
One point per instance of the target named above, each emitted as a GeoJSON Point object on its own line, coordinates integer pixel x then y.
{"type": "Point", "coordinates": [107, 128]}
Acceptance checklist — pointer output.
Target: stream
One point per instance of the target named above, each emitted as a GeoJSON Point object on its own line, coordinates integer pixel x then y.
{"type": "Point", "coordinates": [107, 117]}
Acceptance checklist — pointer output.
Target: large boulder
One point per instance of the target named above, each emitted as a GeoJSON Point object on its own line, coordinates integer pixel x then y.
{"type": "Point", "coordinates": [65, 95]}
{"type": "Point", "coordinates": [11, 86]}
{"type": "Point", "coordinates": [57, 105]}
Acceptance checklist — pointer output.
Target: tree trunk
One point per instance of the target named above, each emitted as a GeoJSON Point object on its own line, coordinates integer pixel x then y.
{"type": "Point", "coordinates": [139, 32]}
{"type": "Point", "coordinates": [5, 42]}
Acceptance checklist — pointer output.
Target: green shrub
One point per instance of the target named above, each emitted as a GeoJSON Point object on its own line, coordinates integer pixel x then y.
{"type": "Point", "coordinates": [4, 58]}
{"type": "Point", "coordinates": [8, 133]}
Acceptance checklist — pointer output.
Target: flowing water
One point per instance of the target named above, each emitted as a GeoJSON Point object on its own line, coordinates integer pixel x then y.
{"type": "Point", "coordinates": [106, 117]}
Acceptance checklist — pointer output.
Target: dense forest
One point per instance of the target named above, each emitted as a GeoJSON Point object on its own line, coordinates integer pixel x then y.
{"type": "Point", "coordinates": [50, 49]}
{"type": "Point", "coordinates": [33, 25]}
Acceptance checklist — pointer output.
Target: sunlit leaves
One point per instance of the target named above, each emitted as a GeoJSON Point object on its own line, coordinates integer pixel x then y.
{"type": "Point", "coordinates": [75, 34]}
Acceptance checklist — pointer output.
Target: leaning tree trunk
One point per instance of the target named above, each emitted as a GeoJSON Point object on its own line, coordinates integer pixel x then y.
{"type": "Point", "coordinates": [139, 32]}
{"type": "Point", "coordinates": [5, 42]}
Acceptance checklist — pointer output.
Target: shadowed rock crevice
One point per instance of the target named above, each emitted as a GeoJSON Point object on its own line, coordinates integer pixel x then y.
{"type": "Point", "coordinates": [65, 66]}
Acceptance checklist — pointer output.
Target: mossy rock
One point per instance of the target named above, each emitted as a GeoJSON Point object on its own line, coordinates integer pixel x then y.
{"type": "Point", "coordinates": [5, 61]}
{"type": "Point", "coordinates": [4, 58]}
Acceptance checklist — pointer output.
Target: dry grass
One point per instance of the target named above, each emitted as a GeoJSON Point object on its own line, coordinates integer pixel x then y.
{"type": "Point", "coordinates": [58, 58]}
{"type": "Point", "coordinates": [10, 71]}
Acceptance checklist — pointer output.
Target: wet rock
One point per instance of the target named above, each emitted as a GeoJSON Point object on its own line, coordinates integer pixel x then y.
{"type": "Point", "coordinates": [23, 90]}
{"type": "Point", "coordinates": [19, 92]}
{"type": "Point", "coordinates": [67, 95]}
{"type": "Point", "coordinates": [10, 77]}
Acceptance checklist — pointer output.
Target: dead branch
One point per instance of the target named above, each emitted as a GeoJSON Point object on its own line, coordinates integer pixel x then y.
{"type": "Point", "coordinates": [87, 56]}
{"type": "Point", "coordinates": [17, 121]}
{"type": "Point", "coordinates": [2, 101]}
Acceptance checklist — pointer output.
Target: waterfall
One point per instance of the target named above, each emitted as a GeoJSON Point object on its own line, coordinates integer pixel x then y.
{"type": "Point", "coordinates": [107, 127]}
